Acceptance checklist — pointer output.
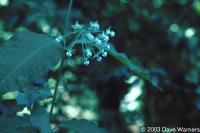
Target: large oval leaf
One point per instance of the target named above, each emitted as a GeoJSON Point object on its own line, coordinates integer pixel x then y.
{"type": "Point", "coordinates": [15, 124]}
{"type": "Point", "coordinates": [24, 58]}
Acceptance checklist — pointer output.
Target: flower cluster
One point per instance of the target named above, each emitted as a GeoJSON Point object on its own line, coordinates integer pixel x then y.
{"type": "Point", "coordinates": [93, 41]}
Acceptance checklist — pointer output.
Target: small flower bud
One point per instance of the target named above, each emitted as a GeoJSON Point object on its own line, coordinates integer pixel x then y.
{"type": "Point", "coordinates": [68, 53]}
{"type": "Point", "coordinates": [86, 62]}
{"type": "Point", "coordinates": [104, 54]}
{"type": "Point", "coordinates": [109, 32]}
{"type": "Point", "coordinates": [107, 47]}
{"type": "Point", "coordinates": [89, 36]}
{"type": "Point", "coordinates": [94, 26]}
{"type": "Point", "coordinates": [77, 26]}
{"type": "Point", "coordinates": [98, 41]}
{"type": "Point", "coordinates": [104, 37]}
{"type": "Point", "coordinates": [99, 58]}
{"type": "Point", "coordinates": [59, 39]}
{"type": "Point", "coordinates": [112, 34]}
{"type": "Point", "coordinates": [88, 53]}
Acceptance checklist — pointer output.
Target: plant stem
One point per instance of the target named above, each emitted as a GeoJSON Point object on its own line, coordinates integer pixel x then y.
{"type": "Point", "coordinates": [62, 61]}
{"type": "Point", "coordinates": [56, 87]}
{"type": "Point", "coordinates": [68, 16]}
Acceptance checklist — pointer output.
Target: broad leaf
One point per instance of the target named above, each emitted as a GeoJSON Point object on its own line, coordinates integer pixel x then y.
{"type": "Point", "coordinates": [81, 126]}
{"type": "Point", "coordinates": [13, 124]}
{"type": "Point", "coordinates": [40, 119]}
{"type": "Point", "coordinates": [24, 58]}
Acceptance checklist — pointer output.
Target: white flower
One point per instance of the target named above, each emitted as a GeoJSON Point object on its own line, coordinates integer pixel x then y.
{"type": "Point", "coordinates": [104, 54]}
{"type": "Point", "coordinates": [86, 62]}
{"type": "Point", "coordinates": [98, 41]}
{"type": "Point", "coordinates": [59, 39]}
{"type": "Point", "coordinates": [99, 58]}
{"type": "Point", "coordinates": [109, 32]}
{"type": "Point", "coordinates": [104, 37]}
{"type": "Point", "coordinates": [77, 26]}
{"type": "Point", "coordinates": [88, 53]}
{"type": "Point", "coordinates": [94, 26]}
{"type": "Point", "coordinates": [94, 41]}
{"type": "Point", "coordinates": [107, 46]}
{"type": "Point", "coordinates": [69, 53]}
{"type": "Point", "coordinates": [89, 36]}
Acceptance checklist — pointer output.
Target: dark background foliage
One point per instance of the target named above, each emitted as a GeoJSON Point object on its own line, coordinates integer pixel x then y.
{"type": "Point", "coordinates": [160, 35]}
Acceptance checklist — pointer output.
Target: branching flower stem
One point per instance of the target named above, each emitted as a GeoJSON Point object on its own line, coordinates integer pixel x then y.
{"type": "Point", "coordinates": [62, 61]}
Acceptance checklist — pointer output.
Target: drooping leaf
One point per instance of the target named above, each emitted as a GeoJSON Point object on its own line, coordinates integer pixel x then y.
{"type": "Point", "coordinates": [24, 58]}
{"type": "Point", "coordinates": [13, 124]}
{"type": "Point", "coordinates": [125, 60]}
{"type": "Point", "coordinates": [40, 119]}
{"type": "Point", "coordinates": [137, 69]}
{"type": "Point", "coordinates": [122, 58]}
{"type": "Point", "coordinates": [81, 126]}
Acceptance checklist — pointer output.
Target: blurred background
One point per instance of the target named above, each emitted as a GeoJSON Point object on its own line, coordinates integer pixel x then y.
{"type": "Point", "coordinates": [161, 36]}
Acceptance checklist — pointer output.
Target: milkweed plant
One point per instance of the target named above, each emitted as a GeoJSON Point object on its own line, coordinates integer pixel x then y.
{"type": "Point", "coordinates": [27, 57]}
{"type": "Point", "coordinates": [30, 50]}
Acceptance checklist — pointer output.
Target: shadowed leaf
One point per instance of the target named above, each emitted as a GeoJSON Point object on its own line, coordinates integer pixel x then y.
{"type": "Point", "coordinates": [137, 69]}
{"type": "Point", "coordinates": [40, 119]}
{"type": "Point", "coordinates": [14, 124]}
{"type": "Point", "coordinates": [24, 58]}
{"type": "Point", "coordinates": [81, 126]}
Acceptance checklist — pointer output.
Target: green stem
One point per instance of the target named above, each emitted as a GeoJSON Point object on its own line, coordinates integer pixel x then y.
{"type": "Point", "coordinates": [62, 61]}
{"type": "Point", "coordinates": [56, 87]}
{"type": "Point", "coordinates": [68, 16]}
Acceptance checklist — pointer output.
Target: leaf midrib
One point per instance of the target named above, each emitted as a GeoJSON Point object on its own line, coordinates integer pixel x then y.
{"type": "Point", "coordinates": [23, 62]}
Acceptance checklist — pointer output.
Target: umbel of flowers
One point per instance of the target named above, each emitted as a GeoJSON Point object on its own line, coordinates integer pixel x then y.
{"type": "Point", "coordinates": [93, 41]}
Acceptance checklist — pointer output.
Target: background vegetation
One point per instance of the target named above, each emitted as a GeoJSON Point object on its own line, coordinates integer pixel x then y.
{"type": "Point", "coordinates": [160, 37]}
